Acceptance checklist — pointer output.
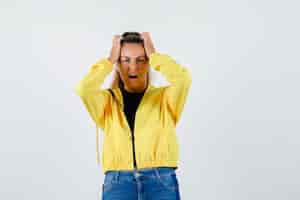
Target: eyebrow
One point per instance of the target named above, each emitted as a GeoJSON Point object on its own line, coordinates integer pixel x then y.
{"type": "Point", "coordinates": [136, 57]}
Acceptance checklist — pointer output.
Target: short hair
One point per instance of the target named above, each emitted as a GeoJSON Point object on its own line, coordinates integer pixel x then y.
{"type": "Point", "coordinates": [131, 37]}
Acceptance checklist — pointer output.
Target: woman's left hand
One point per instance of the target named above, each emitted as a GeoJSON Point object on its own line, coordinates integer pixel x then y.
{"type": "Point", "coordinates": [148, 44]}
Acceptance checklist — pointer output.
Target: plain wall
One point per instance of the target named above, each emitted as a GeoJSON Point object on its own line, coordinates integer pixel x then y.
{"type": "Point", "coordinates": [239, 132]}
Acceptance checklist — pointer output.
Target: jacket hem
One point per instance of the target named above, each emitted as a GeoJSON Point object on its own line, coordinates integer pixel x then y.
{"type": "Point", "coordinates": [144, 164]}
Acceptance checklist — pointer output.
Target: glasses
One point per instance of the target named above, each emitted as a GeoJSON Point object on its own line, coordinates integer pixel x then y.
{"type": "Point", "coordinates": [138, 61]}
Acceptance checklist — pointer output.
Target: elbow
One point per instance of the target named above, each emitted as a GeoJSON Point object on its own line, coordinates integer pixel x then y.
{"type": "Point", "coordinates": [79, 90]}
{"type": "Point", "coordinates": [187, 78]}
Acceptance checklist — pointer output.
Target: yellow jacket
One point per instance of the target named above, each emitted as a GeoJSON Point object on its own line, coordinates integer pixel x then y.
{"type": "Point", "coordinates": [156, 117]}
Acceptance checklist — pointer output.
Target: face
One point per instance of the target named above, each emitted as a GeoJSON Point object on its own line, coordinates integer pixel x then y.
{"type": "Point", "coordinates": [133, 67]}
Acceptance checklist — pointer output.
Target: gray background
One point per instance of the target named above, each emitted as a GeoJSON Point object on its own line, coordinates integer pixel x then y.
{"type": "Point", "coordinates": [239, 132]}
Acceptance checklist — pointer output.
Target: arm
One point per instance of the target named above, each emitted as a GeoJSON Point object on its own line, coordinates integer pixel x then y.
{"type": "Point", "coordinates": [180, 79]}
{"type": "Point", "coordinates": [94, 98]}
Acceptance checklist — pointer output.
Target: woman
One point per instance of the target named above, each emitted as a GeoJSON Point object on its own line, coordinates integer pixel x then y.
{"type": "Point", "coordinates": [138, 117]}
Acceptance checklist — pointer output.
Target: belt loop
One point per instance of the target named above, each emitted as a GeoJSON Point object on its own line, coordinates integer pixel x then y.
{"type": "Point", "coordinates": [156, 170]}
{"type": "Point", "coordinates": [117, 176]}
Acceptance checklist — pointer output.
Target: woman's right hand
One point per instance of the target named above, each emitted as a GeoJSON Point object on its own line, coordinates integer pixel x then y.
{"type": "Point", "coordinates": [115, 50]}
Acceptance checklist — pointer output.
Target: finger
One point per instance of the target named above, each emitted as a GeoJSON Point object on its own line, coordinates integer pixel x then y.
{"type": "Point", "coordinates": [143, 35]}
{"type": "Point", "coordinates": [146, 34]}
{"type": "Point", "coordinates": [116, 38]}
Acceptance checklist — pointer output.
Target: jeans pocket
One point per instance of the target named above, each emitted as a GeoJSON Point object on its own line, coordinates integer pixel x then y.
{"type": "Point", "coordinates": [169, 181]}
{"type": "Point", "coordinates": [106, 187]}
{"type": "Point", "coordinates": [108, 183]}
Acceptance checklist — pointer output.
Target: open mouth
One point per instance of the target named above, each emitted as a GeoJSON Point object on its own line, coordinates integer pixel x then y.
{"type": "Point", "coordinates": [133, 76]}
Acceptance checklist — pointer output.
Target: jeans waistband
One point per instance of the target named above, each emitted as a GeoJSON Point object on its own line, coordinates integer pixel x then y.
{"type": "Point", "coordinates": [144, 171]}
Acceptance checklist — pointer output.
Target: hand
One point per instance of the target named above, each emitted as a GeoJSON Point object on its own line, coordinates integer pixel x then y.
{"type": "Point", "coordinates": [115, 50]}
{"type": "Point", "coordinates": [148, 44]}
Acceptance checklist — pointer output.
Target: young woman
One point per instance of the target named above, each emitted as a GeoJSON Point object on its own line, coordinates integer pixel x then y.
{"type": "Point", "coordinates": [138, 113]}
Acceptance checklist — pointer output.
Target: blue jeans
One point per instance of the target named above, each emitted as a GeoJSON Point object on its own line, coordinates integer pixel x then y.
{"type": "Point", "coordinates": [157, 183]}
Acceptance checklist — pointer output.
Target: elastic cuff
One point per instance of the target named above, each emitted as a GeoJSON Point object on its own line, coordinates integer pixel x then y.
{"type": "Point", "coordinates": [154, 54]}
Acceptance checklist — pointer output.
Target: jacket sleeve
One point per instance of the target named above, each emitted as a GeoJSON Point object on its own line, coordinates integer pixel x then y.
{"type": "Point", "coordinates": [94, 98]}
{"type": "Point", "coordinates": [180, 79]}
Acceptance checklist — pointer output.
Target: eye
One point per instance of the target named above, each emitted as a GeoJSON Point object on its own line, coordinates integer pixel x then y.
{"type": "Point", "coordinates": [141, 61]}
{"type": "Point", "coordinates": [125, 61]}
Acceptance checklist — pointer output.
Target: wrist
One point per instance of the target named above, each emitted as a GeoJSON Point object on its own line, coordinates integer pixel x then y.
{"type": "Point", "coordinates": [151, 51]}
{"type": "Point", "coordinates": [110, 60]}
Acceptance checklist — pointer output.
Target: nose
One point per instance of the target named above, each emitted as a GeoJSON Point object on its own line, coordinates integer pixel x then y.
{"type": "Point", "coordinates": [133, 68]}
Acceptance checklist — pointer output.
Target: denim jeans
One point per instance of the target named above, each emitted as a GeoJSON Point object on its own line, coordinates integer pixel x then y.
{"type": "Point", "coordinates": [158, 183]}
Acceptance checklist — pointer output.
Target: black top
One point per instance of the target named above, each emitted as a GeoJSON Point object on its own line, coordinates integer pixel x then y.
{"type": "Point", "coordinates": [131, 102]}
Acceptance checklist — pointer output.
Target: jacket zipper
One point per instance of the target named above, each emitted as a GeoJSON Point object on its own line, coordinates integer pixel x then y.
{"type": "Point", "coordinates": [132, 140]}
{"type": "Point", "coordinates": [132, 132]}
{"type": "Point", "coordinates": [132, 136]}
{"type": "Point", "coordinates": [133, 150]}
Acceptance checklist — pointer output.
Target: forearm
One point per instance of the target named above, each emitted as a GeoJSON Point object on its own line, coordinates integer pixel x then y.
{"type": "Point", "coordinates": [95, 77]}
{"type": "Point", "coordinates": [174, 72]}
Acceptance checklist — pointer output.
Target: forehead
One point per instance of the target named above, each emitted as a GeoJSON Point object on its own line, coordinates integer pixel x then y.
{"type": "Point", "coordinates": [132, 50]}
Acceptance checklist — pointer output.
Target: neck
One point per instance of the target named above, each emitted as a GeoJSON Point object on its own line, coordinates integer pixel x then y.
{"type": "Point", "coordinates": [136, 90]}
